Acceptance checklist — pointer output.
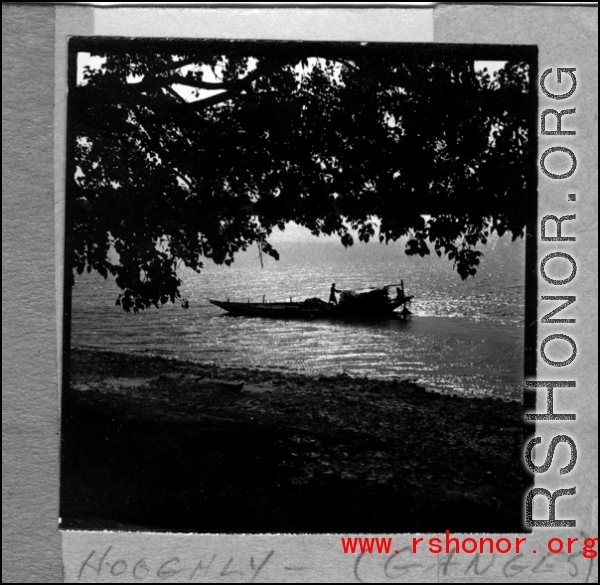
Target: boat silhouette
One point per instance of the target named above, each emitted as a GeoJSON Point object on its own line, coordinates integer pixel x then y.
{"type": "Point", "coordinates": [376, 302]}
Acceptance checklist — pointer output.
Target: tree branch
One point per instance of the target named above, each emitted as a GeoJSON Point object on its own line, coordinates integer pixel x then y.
{"type": "Point", "coordinates": [175, 95]}
{"type": "Point", "coordinates": [347, 64]}
{"type": "Point", "coordinates": [175, 65]}
{"type": "Point", "coordinates": [233, 87]}
{"type": "Point", "coordinates": [193, 81]}
{"type": "Point", "coordinates": [184, 179]}
{"type": "Point", "coordinates": [213, 100]}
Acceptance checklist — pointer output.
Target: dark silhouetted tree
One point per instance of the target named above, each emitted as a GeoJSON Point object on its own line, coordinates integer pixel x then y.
{"type": "Point", "coordinates": [183, 151]}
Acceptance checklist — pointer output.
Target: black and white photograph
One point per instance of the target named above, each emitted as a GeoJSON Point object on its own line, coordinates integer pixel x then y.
{"type": "Point", "coordinates": [297, 289]}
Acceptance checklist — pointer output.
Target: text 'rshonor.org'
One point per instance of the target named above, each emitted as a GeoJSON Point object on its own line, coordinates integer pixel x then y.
{"type": "Point", "coordinates": [470, 545]}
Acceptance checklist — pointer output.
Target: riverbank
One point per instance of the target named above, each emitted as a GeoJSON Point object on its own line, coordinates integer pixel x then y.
{"type": "Point", "coordinates": [157, 444]}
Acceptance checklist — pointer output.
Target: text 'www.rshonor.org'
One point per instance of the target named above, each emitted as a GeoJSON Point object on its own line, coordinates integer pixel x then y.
{"type": "Point", "coordinates": [449, 544]}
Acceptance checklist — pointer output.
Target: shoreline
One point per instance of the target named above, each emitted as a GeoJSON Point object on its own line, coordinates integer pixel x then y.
{"type": "Point", "coordinates": [502, 386]}
{"type": "Point", "coordinates": [236, 449]}
{"type": "Point", "coordinates": [409, 382]}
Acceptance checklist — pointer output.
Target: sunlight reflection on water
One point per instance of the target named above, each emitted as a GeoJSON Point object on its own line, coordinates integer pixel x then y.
{"type": "Point", "coordinates": [463, 337]}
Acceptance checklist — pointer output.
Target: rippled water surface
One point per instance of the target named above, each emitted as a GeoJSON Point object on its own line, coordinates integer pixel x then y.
{"type": "Point", "coordinates": [463, 336]}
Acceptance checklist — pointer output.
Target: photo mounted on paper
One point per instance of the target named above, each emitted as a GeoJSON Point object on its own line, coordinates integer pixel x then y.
{"type": "Point", "coordinates": [296, 286]}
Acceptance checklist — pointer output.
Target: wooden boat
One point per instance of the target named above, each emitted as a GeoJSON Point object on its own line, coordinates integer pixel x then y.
{"type": "Point", "coordinates": [374, 302]}
{"type": "Point", "coordinates": [283, 310]}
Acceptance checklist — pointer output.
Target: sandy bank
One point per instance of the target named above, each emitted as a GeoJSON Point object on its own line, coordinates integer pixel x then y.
{"type": "Point", "coordinates": [162, 444]}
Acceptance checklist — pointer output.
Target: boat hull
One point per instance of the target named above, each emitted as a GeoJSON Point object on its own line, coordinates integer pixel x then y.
{"type": "Point", "coordinates": [308, 311]}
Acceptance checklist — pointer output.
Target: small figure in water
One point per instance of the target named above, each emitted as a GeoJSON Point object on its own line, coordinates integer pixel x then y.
{"type": "Point", "coordinates": [332, 298]}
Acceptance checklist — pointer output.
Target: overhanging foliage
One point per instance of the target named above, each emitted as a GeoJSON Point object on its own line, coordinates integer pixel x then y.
{"type": "Point", "coordinates": [326, 135]}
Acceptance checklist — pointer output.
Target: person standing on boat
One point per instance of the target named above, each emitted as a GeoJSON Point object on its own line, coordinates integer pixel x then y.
{"type": "Point", "coordinates": [400, 294]}
{"type": "Point", "coordinates": [332, 297]}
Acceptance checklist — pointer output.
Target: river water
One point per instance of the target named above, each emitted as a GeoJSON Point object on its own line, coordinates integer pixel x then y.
{"type": "Point", "coordinates": [463, 337]}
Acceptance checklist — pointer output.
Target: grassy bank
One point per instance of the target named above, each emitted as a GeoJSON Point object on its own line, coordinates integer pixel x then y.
{"type": "Point", "coordinates": [151, 443]}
